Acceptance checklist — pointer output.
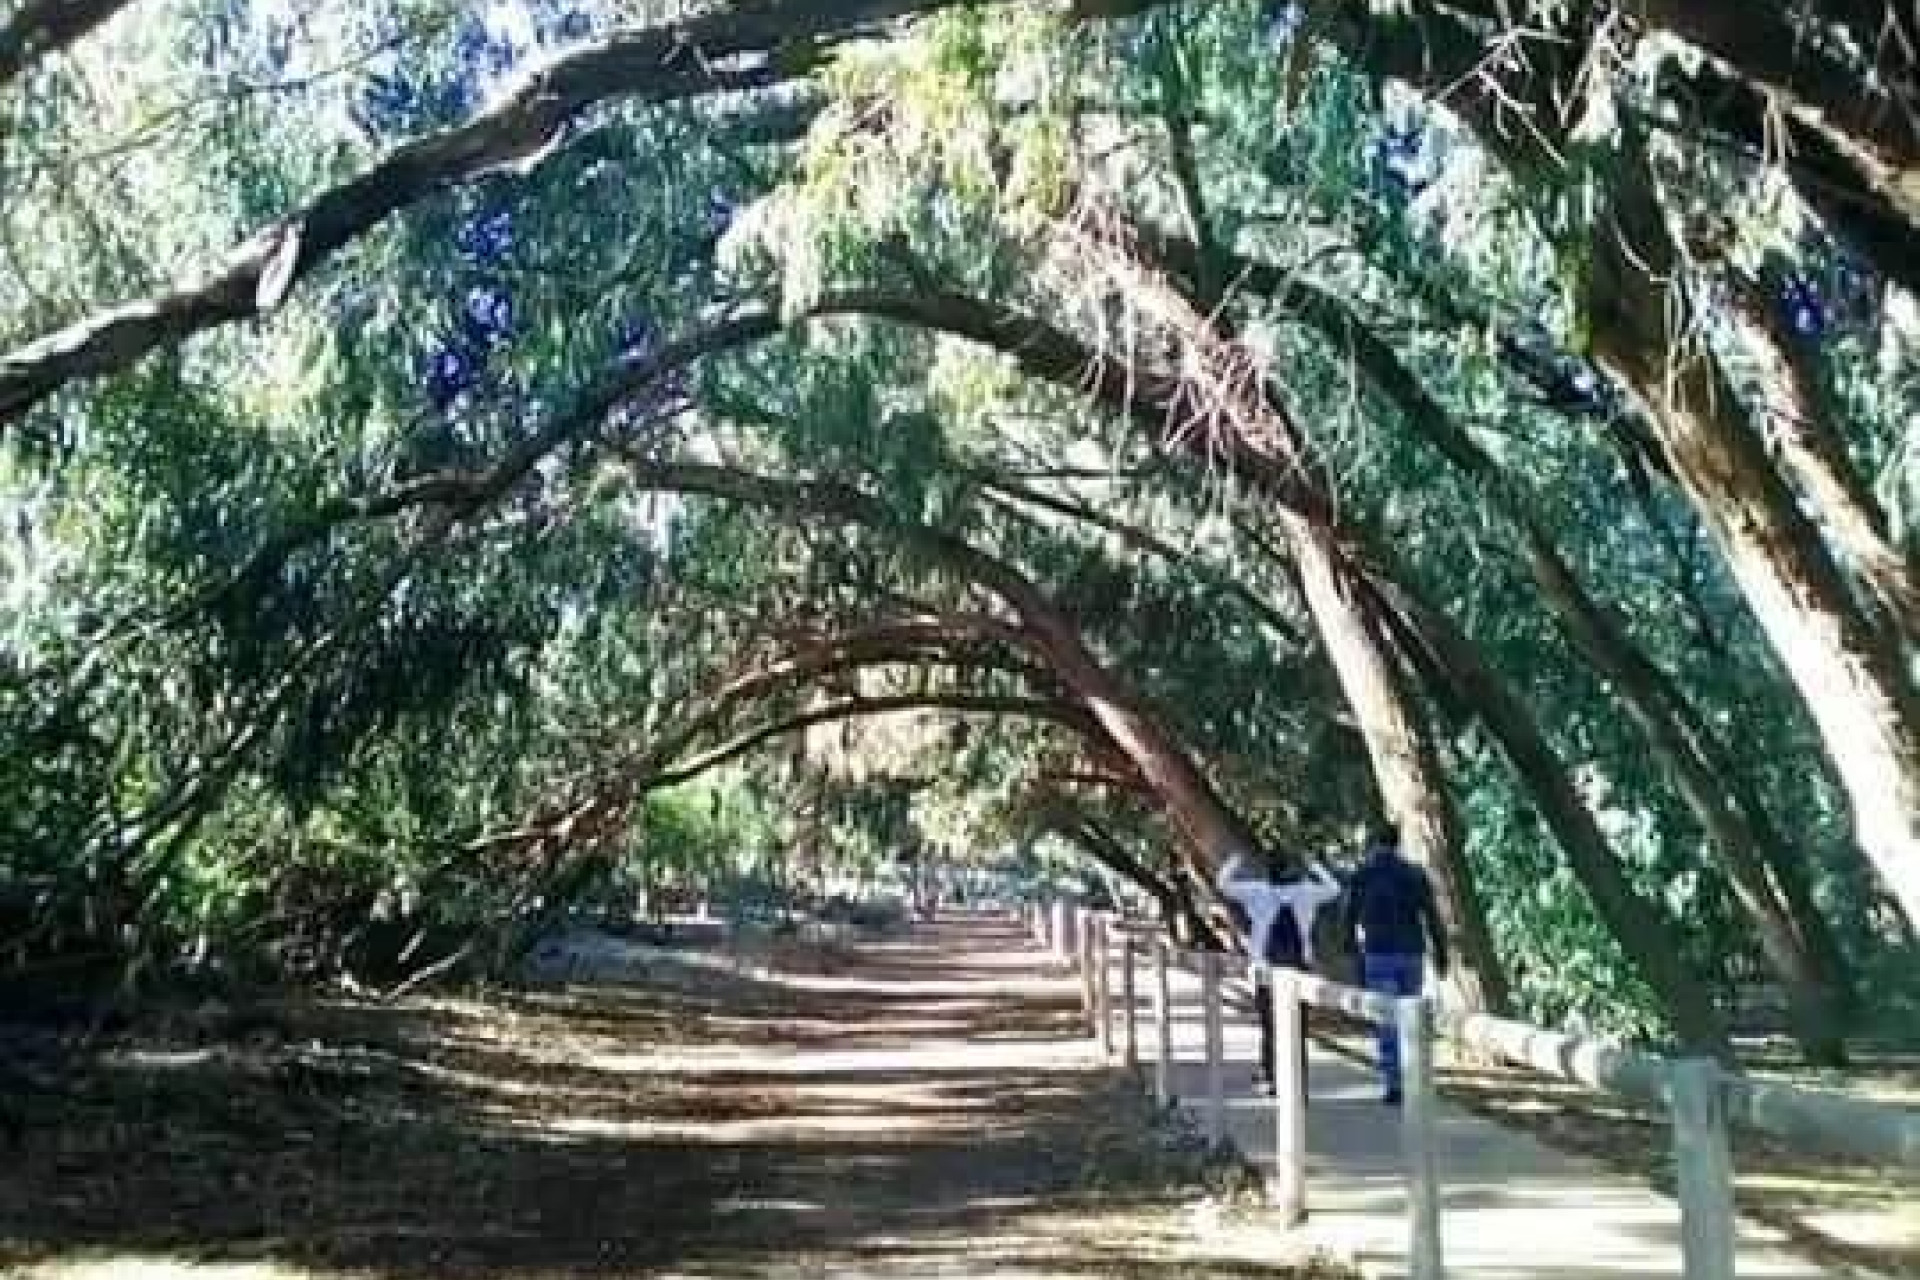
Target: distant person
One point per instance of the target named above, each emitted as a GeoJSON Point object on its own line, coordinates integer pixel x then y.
{"type": "Point", "coordinates": [1391, 913]}
{"type": "Point", "coordinates": [1277, 916]}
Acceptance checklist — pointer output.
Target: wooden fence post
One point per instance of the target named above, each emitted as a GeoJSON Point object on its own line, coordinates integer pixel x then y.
{"type": "Point", "coordinates": [1216, 1049]}
{"type": "Point", "coordinates": [1060, 951]}
{"type": "Point", "coordinates": [1419, 1101]}
{"type": "Point", "coordinates": [1083, 948]}
{"type": "Point", "coordinates": [1703, 1169]}
{"type": "Point", "coordinates": [1103, 982]}
{"type": "Point", "coordinates": [1289, 1190]}
{"type": "Point", "coordinates": [1129, 1000]}
{"type": "Point", "coordinates": [1162, 1023]}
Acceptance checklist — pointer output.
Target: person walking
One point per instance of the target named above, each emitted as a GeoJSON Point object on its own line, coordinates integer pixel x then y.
{"type": "Point", "coordinates": [1391, 913]}
{"type": "Point", "coordinates": [1276, 912]}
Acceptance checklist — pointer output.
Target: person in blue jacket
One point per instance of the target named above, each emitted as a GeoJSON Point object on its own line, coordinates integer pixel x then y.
{"type": "Point", "coordinates": [1391, 912]}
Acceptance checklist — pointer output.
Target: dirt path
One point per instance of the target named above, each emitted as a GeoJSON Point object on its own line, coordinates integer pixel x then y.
{"type": "Point", "coordinates": [929, 1109]}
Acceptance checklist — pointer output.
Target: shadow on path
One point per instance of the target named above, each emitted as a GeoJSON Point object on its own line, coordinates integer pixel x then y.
{"type": "Point", "coordinates": [928, 1103]}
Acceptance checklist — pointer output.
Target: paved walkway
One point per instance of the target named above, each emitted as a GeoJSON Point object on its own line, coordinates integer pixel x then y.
{"type": "Point", "coordinates": [1512, 1207]}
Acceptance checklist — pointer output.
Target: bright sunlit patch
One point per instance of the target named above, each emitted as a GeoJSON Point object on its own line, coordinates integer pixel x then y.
{"type": "Point", "coordinates": [1895, 1227]}
{"type": "Point", "coordinates": [954, 1055]}
{"type": "Point", "coordinates": [799, 1127]}
{"type": "Point", "coordinates": [163, 1059]}
{"type": "Point", "coordinates": [745, 1205]}
{"type": "Point", "coordinates": [130, 1266]}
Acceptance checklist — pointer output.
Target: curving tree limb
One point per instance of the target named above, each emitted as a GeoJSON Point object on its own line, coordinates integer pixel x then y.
{"type": "Point", "coordinates": [748, 44]}
{"type": "Point", "coordinates": [42, 27]}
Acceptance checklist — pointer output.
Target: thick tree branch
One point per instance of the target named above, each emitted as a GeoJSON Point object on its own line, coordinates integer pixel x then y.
{"type": "Point", "coordinates": [1281, 625]}
{"type": "Point", "coordinates": [1213, 831]}
{"type": "Point", "coordinates": [42, 27]}
{"type": "Point", "coordinates": [1154, 400]}
{"type": "Point", "coordinates": [1052, 710]}
{"type": "Point", "coordinates": [619, 786]}
{"type": "Point", "coordinates": [749, 44]}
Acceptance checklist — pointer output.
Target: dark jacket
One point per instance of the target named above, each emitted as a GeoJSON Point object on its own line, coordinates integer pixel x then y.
{"type": "Point", "coordinates": [1390, 905]}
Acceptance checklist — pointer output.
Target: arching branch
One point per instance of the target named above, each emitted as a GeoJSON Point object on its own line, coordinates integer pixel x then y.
{"type": "Point", "coordinates": [1140, 539]}
{"type": "Point", "coordinates": [1066, 819]}
{"type": "Point", "coordinates": [1055, 711]}
{"type": "Point", "coordinates": [42, 27]}
{"type": "Point", "coordinates": [745, 45]}
{"type": "Point", "coordinates": [1212, 829]}
{"type": "Point", "coordinates": [608, 801]}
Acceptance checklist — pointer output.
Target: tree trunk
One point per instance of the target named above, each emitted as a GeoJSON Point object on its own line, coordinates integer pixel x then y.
{"type": "Point", "coordinates": [1212, 830]}
{"type": "Point", "coordinates": [1176, 906]}
{"type": "Point", "coordinates": [1764, 874]}
{"type": "Point", "coordinates": [1265, 449]}
{"type": "Point", "coordinates": [1800, 433]}
{"type": "Point", "coordinates": [1847, 670]}
{"type": "Point", "coordinates": [1405, 765]}
{"type": "Point", "coordinates": [1637, 924]}
{"type": "Point", "coordinates": [1791, 932]}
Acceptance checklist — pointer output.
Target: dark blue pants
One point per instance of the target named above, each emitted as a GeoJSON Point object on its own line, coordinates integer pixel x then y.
{"type": "Point", "coordinates": [1397, 976]}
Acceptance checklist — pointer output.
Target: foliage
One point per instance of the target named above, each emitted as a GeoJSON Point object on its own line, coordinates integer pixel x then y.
{"type": "Point", "coordinates": [262, 720]}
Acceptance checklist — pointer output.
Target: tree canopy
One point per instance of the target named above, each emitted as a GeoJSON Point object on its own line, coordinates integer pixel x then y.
{"type": "Point", "coordinates": [459, 460]}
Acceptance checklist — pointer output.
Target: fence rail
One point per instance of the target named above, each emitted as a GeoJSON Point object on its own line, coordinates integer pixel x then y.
{"type": "Point", "coordinates": [1700, 1097]}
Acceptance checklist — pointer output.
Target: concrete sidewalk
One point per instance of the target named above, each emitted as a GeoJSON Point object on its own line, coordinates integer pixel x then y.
{"type": "Point", "coordinates": [1511, 1206]}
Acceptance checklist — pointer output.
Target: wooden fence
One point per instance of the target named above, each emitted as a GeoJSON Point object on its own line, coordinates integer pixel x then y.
{"type": "Point", "coordinates": [1700, 1098]}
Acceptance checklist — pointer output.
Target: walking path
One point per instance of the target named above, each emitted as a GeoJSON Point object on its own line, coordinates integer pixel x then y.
{"type": "Point", "coordinates": [1512, 1207]}
{"type": "Point", "coordinates": [924, 1106]}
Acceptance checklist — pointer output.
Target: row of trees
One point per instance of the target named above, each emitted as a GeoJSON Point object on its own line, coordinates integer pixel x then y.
{"type": "Point", "coordinates": [430, 433]}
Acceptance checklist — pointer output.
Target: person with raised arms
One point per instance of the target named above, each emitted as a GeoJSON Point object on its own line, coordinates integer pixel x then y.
{"type": "Point", "coordinates": [1275, 910]}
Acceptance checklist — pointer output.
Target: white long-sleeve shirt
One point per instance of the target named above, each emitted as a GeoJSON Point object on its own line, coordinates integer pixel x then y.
{"type": "Point", "coordinates": [1241, 880]}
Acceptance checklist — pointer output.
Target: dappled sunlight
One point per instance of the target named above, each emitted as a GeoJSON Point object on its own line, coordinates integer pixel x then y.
{"type": "Point", "coordinates": [138, 1266]}
{"type": "Point", "coordinates": [936, 1057]}
{"type": "Point", "coordinates": [800, 1128]}
{"type": "Point", "coordinates": [784, 1128]}
{"type": "Point", "coordinates": [1840, 1214]}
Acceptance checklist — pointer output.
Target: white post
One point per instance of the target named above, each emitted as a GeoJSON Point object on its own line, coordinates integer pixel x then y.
{"type": "Point", "coordinates": [1129, 998]}
{"type": "Point", "coordinates": [1216, 1049]}
{"type": "Point", "coordinates": [1083, 948]}
{"type": "Point", "coordinates": [1289, 1190]}
{"type": "Point", "coordinates": [1414, 1023]}
{"type": "Point", "coordinates": [1060, 951]}
{"type": "Point", "coordinates": [1703, 1169]}
{"type": "Point", "coordinates": [1162, 1023]}
{"type": "Point", "coordinates": [1103, 981]}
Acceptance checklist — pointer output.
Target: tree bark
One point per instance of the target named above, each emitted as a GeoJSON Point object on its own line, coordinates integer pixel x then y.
{"type": "Point", "coordinates": [1763, 873]}
{"type": "Point", "coordinates": [41, 27]}
{"type": "Point", "coordinates": [1800, 431]}
{"type": "Point", "coordinates": [1848, 670]}
{"type": "Point", "coordinates": [1632, 919]}
{"type": "Point", "coordinates": [1405, 765]}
